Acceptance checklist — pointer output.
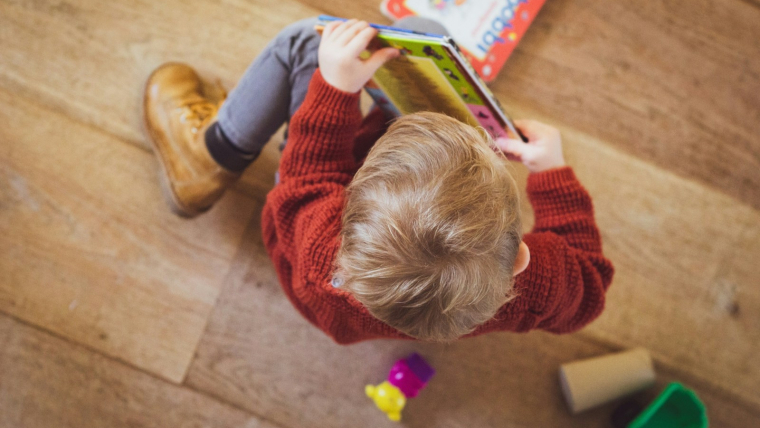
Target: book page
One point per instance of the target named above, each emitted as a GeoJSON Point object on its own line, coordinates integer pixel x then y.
{"type": "Point", "coordinates": [416, 84]}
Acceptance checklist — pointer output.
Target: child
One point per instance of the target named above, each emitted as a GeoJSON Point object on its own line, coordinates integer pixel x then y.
{"type": "Point", "coordinates": [420, 240]}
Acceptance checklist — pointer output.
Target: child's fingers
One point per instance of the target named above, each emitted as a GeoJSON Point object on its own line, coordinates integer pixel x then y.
{"type": "Point", "coordinates": [341, 28]}
{"type": "Point", "coordinates": [380, 57]}
{"type": "Point", "coordinates": [362, 39]}
{"type": "Point", "coordinates": [329, 28]}
{"type": "Point", "coordinates": [346, 36]}
{"type": "Point", "coordinates": [533, 129]}
{"type": "Point", "coordinates": [510, 145]}
{"type": "Point", "coordinates": [528, 128]}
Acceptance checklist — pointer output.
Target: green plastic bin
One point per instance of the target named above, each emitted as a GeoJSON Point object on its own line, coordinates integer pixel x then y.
{"type": "Point", "coordinates": [676, 407]}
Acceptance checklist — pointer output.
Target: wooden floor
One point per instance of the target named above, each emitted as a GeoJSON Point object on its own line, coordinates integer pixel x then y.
{"type": "Point", "coordinates": [115, 313]}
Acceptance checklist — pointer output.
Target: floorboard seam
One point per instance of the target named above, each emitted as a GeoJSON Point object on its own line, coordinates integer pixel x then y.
{"type": "Point", "coordinates": [42, 99]}
{"type": "Point", "coordinates": [133, 367]}
{"type": "Point", "coordinates": [754, 3]}
{"type": "Point", "coordinates": [18, 89]}
{"type": "Point", "coordinates": [219, 399]}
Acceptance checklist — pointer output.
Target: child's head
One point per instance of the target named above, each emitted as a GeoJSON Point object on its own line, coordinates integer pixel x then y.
{"type": "Point", "coordinates": [431, 229]}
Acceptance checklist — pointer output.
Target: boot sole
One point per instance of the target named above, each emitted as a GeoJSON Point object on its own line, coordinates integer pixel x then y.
{"type": "Point", "coordinates": [154, 135]}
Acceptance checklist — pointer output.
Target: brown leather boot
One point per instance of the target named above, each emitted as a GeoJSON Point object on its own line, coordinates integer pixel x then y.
{"type": "Point", "coordinates": [176, 115]}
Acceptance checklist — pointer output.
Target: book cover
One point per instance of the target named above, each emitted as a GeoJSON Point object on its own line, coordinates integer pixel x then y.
{"type": "Point", "coordinates": [487, 31]}
{"type": "Point", "coordinates": [432, 75]}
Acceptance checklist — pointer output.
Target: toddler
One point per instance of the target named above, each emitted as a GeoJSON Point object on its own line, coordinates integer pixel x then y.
{"type": "Point", "coordinates": [404, 231]}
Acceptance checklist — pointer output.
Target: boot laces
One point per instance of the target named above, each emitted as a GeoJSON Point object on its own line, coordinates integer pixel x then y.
{"type": "Point", "coordinates": [197, 113]}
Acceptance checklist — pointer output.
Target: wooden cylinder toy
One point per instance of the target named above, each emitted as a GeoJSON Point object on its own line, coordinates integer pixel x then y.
{"type": "Point", "coordinates": [595, 381]}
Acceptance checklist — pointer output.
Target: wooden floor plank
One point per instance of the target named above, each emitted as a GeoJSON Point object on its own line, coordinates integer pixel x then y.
{"type": "Point", "coordinates": [669, 82]}
{"type": "Point", "coordinates": [673, 82]}
{"type": "Point", "coordinates": [261, 355]}
{"type": "Point", "coordinates": [89, 59]}
{"type": "Point", "coordinates": [671, 240]}
{"type": "Point", "coordinates": [90, 250]}
{"type": "Point", "coordinates": [49, 382]}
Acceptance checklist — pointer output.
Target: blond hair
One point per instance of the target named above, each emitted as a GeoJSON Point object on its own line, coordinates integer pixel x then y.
{"type": "Point", "coordinates": [431, 229]}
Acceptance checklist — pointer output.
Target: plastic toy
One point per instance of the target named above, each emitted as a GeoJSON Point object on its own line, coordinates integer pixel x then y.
{"type": "Point", "coordinates": [405, 380]}
{"type": "Point", "coordinates": [676, 407]}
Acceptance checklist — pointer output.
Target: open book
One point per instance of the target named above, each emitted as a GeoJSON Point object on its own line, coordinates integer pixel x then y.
{"type": "Point", "coordinates": [432, 75]}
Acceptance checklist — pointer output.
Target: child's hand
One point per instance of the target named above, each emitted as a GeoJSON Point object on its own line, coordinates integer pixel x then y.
{"type": "Point", "coordinates": [339, 50]}
{"type": "Point", "coordinates": [543, 150]}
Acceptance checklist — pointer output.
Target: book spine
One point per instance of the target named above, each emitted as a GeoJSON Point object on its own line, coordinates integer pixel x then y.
{"type": "Point", "coordinates": [481, 86]}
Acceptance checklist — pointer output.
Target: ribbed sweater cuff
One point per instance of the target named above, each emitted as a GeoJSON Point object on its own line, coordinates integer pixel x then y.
{"type": "Point", "coordinates": [551, 179]}
{"type": "Point", "coordinates": [322, 131]}
{"type": "Point", "coordinates": [328, 95]}
{"type": "Point", "coordinates": [557, 193]}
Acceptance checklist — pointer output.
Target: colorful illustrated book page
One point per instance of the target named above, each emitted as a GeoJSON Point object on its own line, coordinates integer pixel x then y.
{"type": "Point", "coordinates": [487, 31]}
{"type": "Point", "coordinates": [432, 75]}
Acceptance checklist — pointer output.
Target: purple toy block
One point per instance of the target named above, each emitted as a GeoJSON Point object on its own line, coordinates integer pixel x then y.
{"type": "Point", "coordinates": [420, 367]}
{"type": "Point", "coordinates": [410, 375]}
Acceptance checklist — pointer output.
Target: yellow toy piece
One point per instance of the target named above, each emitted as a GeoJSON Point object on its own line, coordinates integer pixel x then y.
{"type": "Point", "coordinates": [387, 398]}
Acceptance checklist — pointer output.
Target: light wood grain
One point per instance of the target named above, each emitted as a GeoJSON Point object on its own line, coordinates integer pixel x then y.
{"type": "Point", "coordinates": [667, 81]}
{"type": "Point", "coordinates": [89, 59]}
{"type": "Point", "coordinates": [670, 239]}
{"type": "Point", "coordinates": [261, 355]}
{"type": "Point", "coordinates": [89, 249]}
{"type": "Point", "coordinates": [51, 383]}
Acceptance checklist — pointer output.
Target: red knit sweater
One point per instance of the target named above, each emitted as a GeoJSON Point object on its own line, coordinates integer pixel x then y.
{"type": "Point", "coordinates": [561, 290]}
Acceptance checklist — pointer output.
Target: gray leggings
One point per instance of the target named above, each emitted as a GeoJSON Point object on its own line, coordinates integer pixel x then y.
{"type": "Point", "coordinates": [275, 84]}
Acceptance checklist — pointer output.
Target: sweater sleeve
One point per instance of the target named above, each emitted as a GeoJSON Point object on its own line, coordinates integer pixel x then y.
{"type": "Point", "coordinates": [568, 276]}
{"type": "Point", "coordinates": [321, 135]}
